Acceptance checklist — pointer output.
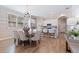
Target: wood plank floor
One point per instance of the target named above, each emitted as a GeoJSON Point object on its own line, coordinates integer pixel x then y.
{"type": "Point", "coordinates": [47, 45]}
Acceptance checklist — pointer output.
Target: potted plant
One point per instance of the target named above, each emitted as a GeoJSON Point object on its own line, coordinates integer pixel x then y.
{"type": "Point", "coordinates": [74, 34]}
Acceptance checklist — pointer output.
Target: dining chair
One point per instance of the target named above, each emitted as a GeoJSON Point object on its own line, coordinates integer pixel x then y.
{"type": "Point", "coordinates": [45, 30]}
{"type": "Point", "coordinates": [16, 37]}
{"type": "Point", "coordinates": [36, 39]}
{"type": "Point", "coordinates": [23, 39]}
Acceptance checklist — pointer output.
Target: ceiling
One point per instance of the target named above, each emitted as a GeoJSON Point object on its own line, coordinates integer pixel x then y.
{"type": "Point", "coordinates": [42, 10]}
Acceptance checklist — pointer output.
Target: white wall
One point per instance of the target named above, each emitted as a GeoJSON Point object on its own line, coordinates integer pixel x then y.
{"type": "Point", "coordinates": [44, 22]}
{"type": "Point", "coordinates": [39, 23]}
{"type": "Point", "coordinates": [50, 21]}
{"type": "Point", "coordinates": [75, 10]}
{"type": "Point", "coordinates": [4, 29]}
{"type": "Point", "coordinates": [72, 21]}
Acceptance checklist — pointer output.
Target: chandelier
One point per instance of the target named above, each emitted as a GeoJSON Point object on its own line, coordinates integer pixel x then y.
{"type": "Point", "coordinates": [27, 16]}
{"type": "Point", "coordinates": [27, 13]}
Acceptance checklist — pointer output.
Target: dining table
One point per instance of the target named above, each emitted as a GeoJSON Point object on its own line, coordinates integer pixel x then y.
{"type": "Point", "coordinates": [29, 36]}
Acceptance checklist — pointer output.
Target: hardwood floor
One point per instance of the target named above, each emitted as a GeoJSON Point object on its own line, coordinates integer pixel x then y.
{"type": "Point", "coordinates": [47, 45]}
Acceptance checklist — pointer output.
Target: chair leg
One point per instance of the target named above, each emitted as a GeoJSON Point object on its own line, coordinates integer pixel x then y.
{"type": "Point", "coordinates": [21, 42]}
{"type": "Point", "coordinates": [24, 43]}
{"type": "Point", "coordinates": [14, 40]}
{"type": "Point", "coordinates": [35, 43]}
{"type": "Point", "coordinates": [30, 42]}
{"type": "Point", "coordinates": [39, 41]}
{"type": "Point", "coordinates": [18, 42]}
{"type": "Point", "coordinates": [27, 42]}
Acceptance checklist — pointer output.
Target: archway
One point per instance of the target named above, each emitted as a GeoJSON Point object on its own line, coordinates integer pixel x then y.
{"type": "Point", "coordinates": [62, 24]}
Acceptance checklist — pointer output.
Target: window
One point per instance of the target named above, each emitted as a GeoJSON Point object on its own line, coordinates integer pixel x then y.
{"type": "Point", "coordinates": [20, 21]}
{"type": "Point", "coordinates": [11, 20]}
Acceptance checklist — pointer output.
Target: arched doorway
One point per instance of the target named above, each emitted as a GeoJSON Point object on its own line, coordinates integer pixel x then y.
{"type": "Point", "coordinates": [62, 24]}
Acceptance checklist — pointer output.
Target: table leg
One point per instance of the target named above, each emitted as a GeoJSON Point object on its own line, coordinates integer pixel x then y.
{"type": "Point", "coordinates": [30, 42]}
